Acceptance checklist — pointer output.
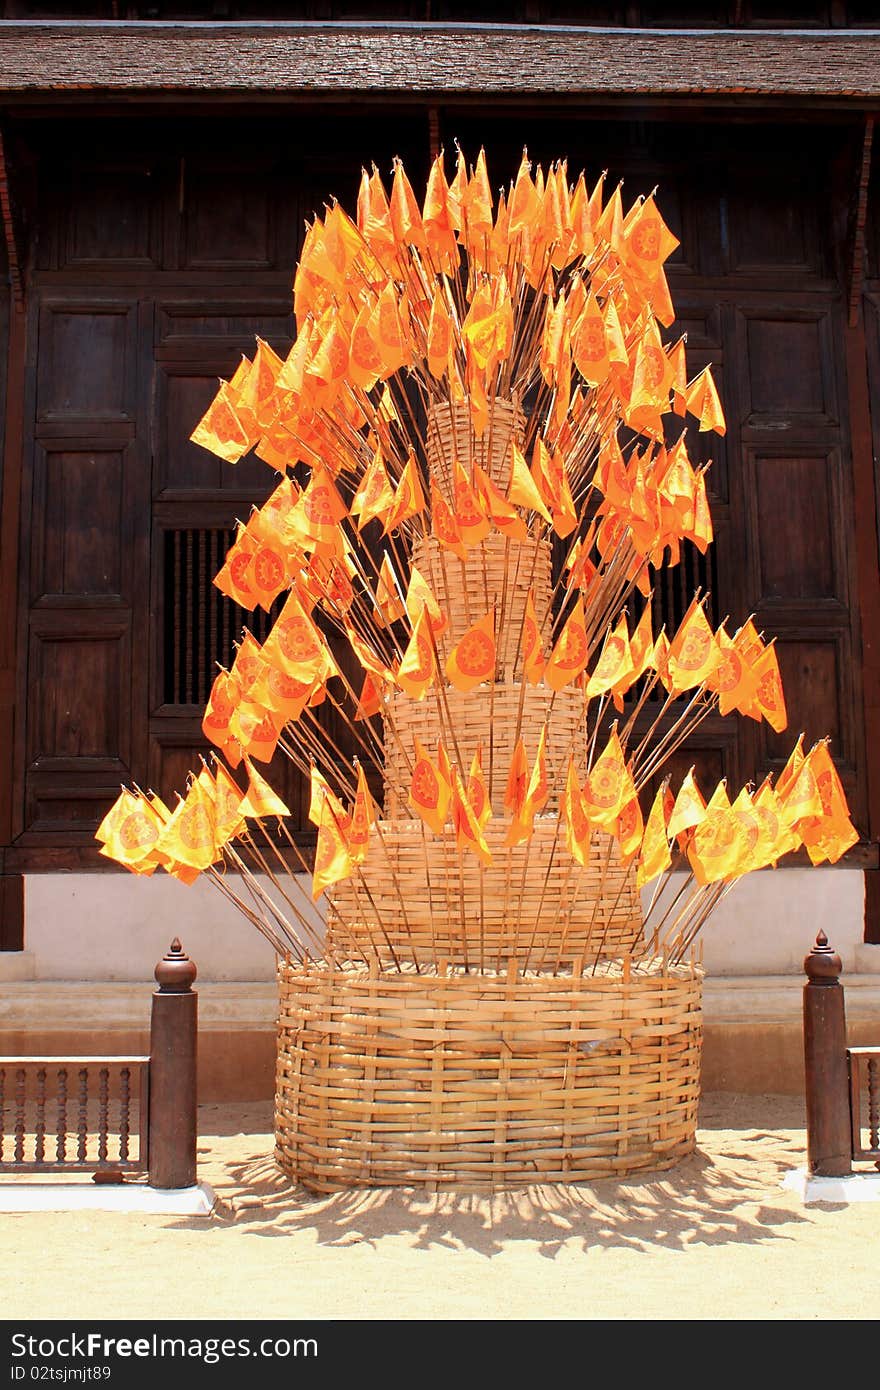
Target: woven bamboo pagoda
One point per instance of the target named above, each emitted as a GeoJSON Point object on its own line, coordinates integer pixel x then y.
{"type": "Point", "coordinates": [483, 447]}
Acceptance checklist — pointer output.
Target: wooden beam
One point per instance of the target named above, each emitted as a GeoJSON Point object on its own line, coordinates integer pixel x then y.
{"type": "Point", "coordinates": [860, 216]}
{"type": "Point", "coordinates": [79, 59]}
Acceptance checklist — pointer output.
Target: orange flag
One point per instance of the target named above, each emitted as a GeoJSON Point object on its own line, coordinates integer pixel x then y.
{"type": "Point", "coordinates": [523, 491]}
{"type": "Point", "coordinates": [419, 595]}
{"type": "Point", "coordinates": [536, 797]}
{"type": "Point", "coordinates": [443, 524]}
{"type": "Point", "coordinates": [333, 862]}
{"type": "Point", "coordinates": [776, 833]}
{"type": "Point", "coordinates": [418, 669]}
{"type": "Point", "coordinates": [609, 786]}
{"type": "Point", "coordinates": [689, 809]}
{"type": "Point", "coordinates": [477, 792]}
{"type": "Point", "coordinates": [577, 826]}
{"type": "Point", "coordinates": [702, 401]}
{"type": "Point", "coordinates": [362, 817]}
{"type": "Point", "coordinates": [570, 654]}
{"type": "Point", "coordinates": [189, 835]}
{"type": "Point", "coordinates": [648, 241]}
{"type": "Point", "coordinates": [769, 697]}
{"type": "Point", "coordinates": [655, 857]}
{"type": "Point", "coordinates": [693, 653]}
{"type": "Point", "coordinates": [472, 659]}
{"type": "Point", "coordinates": [260, 800]}
{"type": "Point", "coordinates": [409, 499]}
{"type": "Point", "coordinates": [628, 830]}
{"type": "Point", "coordinates": [468, 833]}
{"type": "Point", "coordinates": [733, 679]}
{"type": "Point", "coordinates": [719, 846]}
{"type": "Point", "coordinates": [375, 497]}
{"type": "Point", "coordinates": [430, 793]}
{"type": "Point", "coordinates": [532, 653]}
{"type": "Point", "coordinates": [500, 512]}
{"type": "Point", "coordinates": [129, 832]}
{"type": "Point", "coordinates": [439, 336]}
{"type": "Point", "coordinates": [391, 605]}
{"type": "Point", "coordinates": [470, 518]}
{"type": "Point", "coordinates": [221, 431]}
{"type": "Point", "coordinates": [517, 781]}
{"type": "Point", "coordinates": [615, 665]}
{"type": "Point", "coordinates": [296, 646]}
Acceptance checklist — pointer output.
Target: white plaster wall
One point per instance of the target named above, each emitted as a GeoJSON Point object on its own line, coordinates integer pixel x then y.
{"type": "Point", "coordinates": [769, 920]}
{"type": "Point", "coordinates": [116, 927]}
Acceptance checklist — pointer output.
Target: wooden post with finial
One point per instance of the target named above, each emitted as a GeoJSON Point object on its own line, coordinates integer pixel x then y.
{"type": "Point", "coordinates": [829, 1152]}
{"type": "Point", "coordinates": [173, 1034]}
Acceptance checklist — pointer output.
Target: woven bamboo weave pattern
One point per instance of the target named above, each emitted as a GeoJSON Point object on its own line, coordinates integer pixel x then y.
{"type": "Point", "coordinates": [497, 575]}
{"type": "Point", "coordinates": [432, 902]}
{"type": "Point", "coordinates": [449, 1079]}
{"type": "Point", "coordinates": [494, 723]}
{"type": "Point", "coordinates": [451, 439]}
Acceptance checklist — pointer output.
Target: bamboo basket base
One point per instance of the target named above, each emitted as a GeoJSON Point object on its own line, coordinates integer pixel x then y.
{"type": "Point", "coordinates": [491, 1081]}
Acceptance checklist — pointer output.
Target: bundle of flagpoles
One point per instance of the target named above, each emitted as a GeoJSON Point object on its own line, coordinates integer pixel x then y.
{"type": "Point", "coordinates": [531, 328]}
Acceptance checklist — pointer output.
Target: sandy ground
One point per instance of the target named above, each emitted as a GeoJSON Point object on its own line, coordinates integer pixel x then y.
{"type": "Point", "coordinates": [716, 1237]}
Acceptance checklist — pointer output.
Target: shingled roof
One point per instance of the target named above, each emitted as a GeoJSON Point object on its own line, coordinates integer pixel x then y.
{"type": "Point", "coordinates": [83, 58]}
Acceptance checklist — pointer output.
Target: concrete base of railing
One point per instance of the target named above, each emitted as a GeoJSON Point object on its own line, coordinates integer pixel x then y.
{"type": "Point", "coordinates": [136, 1197]}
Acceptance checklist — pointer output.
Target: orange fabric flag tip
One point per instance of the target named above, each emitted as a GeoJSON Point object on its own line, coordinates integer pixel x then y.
{"type": "Point", "coordinates": [648, 241]}
{"type": "Point", "coordinates": [369, 701]}
{"type": "Point", "coordinates": [802, 800]}
{"type": "Point", "coordinates": [419, 595]}
{"type": "Point", "coordinates": [828, 837]}
{"type": "Point", "coordinates": [468, 833]}
{"type": "Point", "coordinates": [296, 647]}
{"type": "Point", "coordinates": [500, 512]}
{"type": "Point", "coordinates": [769, 697]}
{"type": "Point", "coordinates": [430, 792]}
{"type": "Point", "coordinates": [375, 495]}
{"type": "Point", "coordinates": [655, 857]}
{"type": "Point", "coordinates": [444, 527]}
{"type": "Point", "coordinates": [523, 491]}
{"type": "Point", "coordinates": [472, 659]}
{"type": "Point", "coordinates": [733, 679]}
{"type": "Point", "coordinates": [776, 838]}
{"type": "Point", "coordinates": [418, 668]}
{"type": "Point", "coordinates": [615, 667]}
{"type": "Point", "coordinates": [470, 518]}
{"type": "Point", "coordinates": [409, 499]}
{"type": "Point", "coordinates": [224, 696]}
{"type": "Point", "coordinates": [719, 847]}
{"type": "Point", "coordinates": [787, 777]}
{"type": "Point", "coordinates": [260, 800]}
{"type": "Point", "coordinates": [609, 785]}
{"type": "Point", "coordinates": [628, 831]}
{"type": "Point", "coordinates": [228, 799]}
{"type": "Point", "coordinates": [517, 780]}
{"type": "Point", "coordinates": [693, 652]}
{"type": "Point", "coordinates": [440, 338]}
{"type": "Point", "coordinates": [319, 792]}
{"type": "Point", "coordinates": [477, 792]}
{"type": "Point", "coordinates": [257, 730]}
{"type": "Point", "coordinates": [363, 814]}
{"type": "Point", "coordinates": [130, 831]}
{"type": "Point", "coordinates": [189, 835]}
{"type": "Point", "coordinates": [589, 344]}
{"type": "Point", "coordinates": [570, 654]}
{"type": "Point", "coordinates": [689, 809]}
{"type": "Point", "coordinates": [391, 605]}
{"type": "Point", "coordinates": [702, 401]}
{"type": "Point", "coordinates": [221, 431]}
{"type": "Point", "coordinates": [532, 652]}
{"type": "Point", "coordinates": [577, 825]}
{"type": "Point", "coordinates": [333, 862]}
{"type": "Point", "coordinates": [702, 532]}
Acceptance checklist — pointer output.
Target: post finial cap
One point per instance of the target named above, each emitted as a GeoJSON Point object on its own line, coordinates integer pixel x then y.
{"type": "Point", "coordinates": [175, 972]}
{"type": "Point", "coordinates": [823, 965]}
